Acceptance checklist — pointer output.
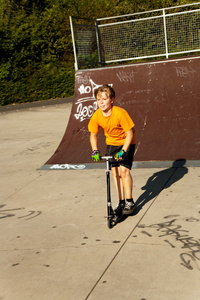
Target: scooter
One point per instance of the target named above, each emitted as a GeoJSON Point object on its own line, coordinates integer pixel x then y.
{"type": "Point", "coordinates": [111, 217]}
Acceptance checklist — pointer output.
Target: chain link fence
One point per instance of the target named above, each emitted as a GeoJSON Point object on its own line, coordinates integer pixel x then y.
{"type": "Point", "coordinates": [158, 33]}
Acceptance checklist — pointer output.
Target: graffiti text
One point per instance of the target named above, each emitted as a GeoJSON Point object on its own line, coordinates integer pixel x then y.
{"type": "Point", "coordinates": [85, 111]}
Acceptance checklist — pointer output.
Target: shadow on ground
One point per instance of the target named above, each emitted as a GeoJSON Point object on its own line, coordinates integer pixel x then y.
{"type": "Point", "coordinates": [159, 181]}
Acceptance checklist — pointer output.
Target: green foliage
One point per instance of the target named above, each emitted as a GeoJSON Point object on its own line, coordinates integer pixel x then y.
{"type": "Point", "coordinates": [37, 59]}
{"type": "Point", "coordinates": [44, 82]}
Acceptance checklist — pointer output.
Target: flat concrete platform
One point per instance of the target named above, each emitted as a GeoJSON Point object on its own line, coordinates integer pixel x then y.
{"type": "Point", "coordinates": [54, 239]}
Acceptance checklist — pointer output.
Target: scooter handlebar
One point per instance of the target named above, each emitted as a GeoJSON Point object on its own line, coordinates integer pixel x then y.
{"type": "Point", "coordinates": [106, 157]}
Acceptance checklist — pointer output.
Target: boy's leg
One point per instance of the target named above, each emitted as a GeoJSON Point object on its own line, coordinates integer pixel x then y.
{"type": "Point", "coordinates": [120, 191]}
{"type": "Point", "coordinates": [127, 181]}
{"type": "Point", "coordinates": [128, 187]}
{"type": "Point", "coordinates": [118, 182]}
{"type": "Point", "coordinates": [124, 185]}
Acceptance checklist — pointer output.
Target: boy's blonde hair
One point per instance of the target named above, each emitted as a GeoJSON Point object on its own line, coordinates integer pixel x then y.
{"type": "Point", "coordinates": [105, 88]}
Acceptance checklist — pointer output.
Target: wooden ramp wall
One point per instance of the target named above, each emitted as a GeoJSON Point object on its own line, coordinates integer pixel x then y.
{"type": "Point", "coordinates": [163, 99]}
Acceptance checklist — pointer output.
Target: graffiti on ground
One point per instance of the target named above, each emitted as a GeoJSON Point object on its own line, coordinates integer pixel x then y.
{"type": "Point", "coordinates": [173, 233]}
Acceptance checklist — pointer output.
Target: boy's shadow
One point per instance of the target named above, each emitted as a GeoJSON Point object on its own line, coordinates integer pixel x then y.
{"type": "Point", "coordinates": [159, 181]}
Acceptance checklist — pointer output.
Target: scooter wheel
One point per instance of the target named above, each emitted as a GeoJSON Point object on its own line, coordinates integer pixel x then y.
{"type": "Point", "coordinates": [110, 223]}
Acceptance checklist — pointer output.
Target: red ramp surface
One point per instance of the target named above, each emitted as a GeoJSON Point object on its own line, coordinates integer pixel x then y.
{"type": "Point", "coordinates": [163, 99]}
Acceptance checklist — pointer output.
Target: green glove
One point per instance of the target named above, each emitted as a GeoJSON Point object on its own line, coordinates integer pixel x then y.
{"type": "Point", "coordinates": [120, 155]}
{"type": "Point", "coordinates": [96, 155]}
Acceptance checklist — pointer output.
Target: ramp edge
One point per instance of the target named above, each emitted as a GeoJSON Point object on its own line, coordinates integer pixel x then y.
{"type": "Point", "coordinates": [136, 165]}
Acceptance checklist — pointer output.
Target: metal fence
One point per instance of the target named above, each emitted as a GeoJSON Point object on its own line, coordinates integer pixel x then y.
{"type": "Point", "coordinates": [158, 33]}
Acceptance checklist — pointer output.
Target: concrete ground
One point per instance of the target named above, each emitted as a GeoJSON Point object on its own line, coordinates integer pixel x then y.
{"type": "Point", "coordinates": [54, 239]}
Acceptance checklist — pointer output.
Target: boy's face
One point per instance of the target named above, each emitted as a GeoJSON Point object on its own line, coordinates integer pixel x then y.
{"type": "Point", "coordinates": [104, 102]}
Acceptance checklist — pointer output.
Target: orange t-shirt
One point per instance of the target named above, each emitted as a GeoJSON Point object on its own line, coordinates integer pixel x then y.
{"type": "Point", "coordinates": [114, 127]}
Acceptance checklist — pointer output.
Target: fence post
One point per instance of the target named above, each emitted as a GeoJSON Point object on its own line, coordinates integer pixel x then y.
{"type": "Point", "coordinates": [74, 45]}
{"type": "Point", "coordinates": [98, 41]}
{"type": "Point", "coordinates": [165, 31]}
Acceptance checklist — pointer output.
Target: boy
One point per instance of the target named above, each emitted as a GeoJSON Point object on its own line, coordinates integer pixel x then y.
{"type": "Point", "coordinates": [119, 130]}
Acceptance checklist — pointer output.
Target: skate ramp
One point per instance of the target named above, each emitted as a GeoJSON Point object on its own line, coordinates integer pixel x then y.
{"type": "Point", "coordinates": [162, 97]}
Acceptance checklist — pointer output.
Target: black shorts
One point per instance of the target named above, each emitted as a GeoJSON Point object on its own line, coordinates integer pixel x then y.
{"type": "Point", "coordinates": [128, 159]}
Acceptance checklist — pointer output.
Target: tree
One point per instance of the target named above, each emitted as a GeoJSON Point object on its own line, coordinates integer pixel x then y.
{"type": "Point", "coordinates": [36, 60]}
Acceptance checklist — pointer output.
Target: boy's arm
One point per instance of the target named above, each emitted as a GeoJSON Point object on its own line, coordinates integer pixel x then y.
{"type": "Point", "coordinates": [128, 140]}
{"type": "Point", "coordinates": [95, 152]}
{"type": "Point", "coordinates": [93, 141]}
{"type": "Point", "coordinates": [129, 137]}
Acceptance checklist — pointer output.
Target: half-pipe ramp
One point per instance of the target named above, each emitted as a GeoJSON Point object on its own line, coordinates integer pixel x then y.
{"type": "Point", "coordinates": [163, 99]}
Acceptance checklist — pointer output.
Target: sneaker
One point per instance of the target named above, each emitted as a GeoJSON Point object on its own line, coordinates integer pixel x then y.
{"type": "Point", "coordinates": [119, 209]}
{"type": "Point", "coordinates": [128, 208]}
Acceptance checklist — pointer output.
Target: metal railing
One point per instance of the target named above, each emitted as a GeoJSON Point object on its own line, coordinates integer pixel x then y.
{"type": "Point", "coordinates": [152, 34]}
